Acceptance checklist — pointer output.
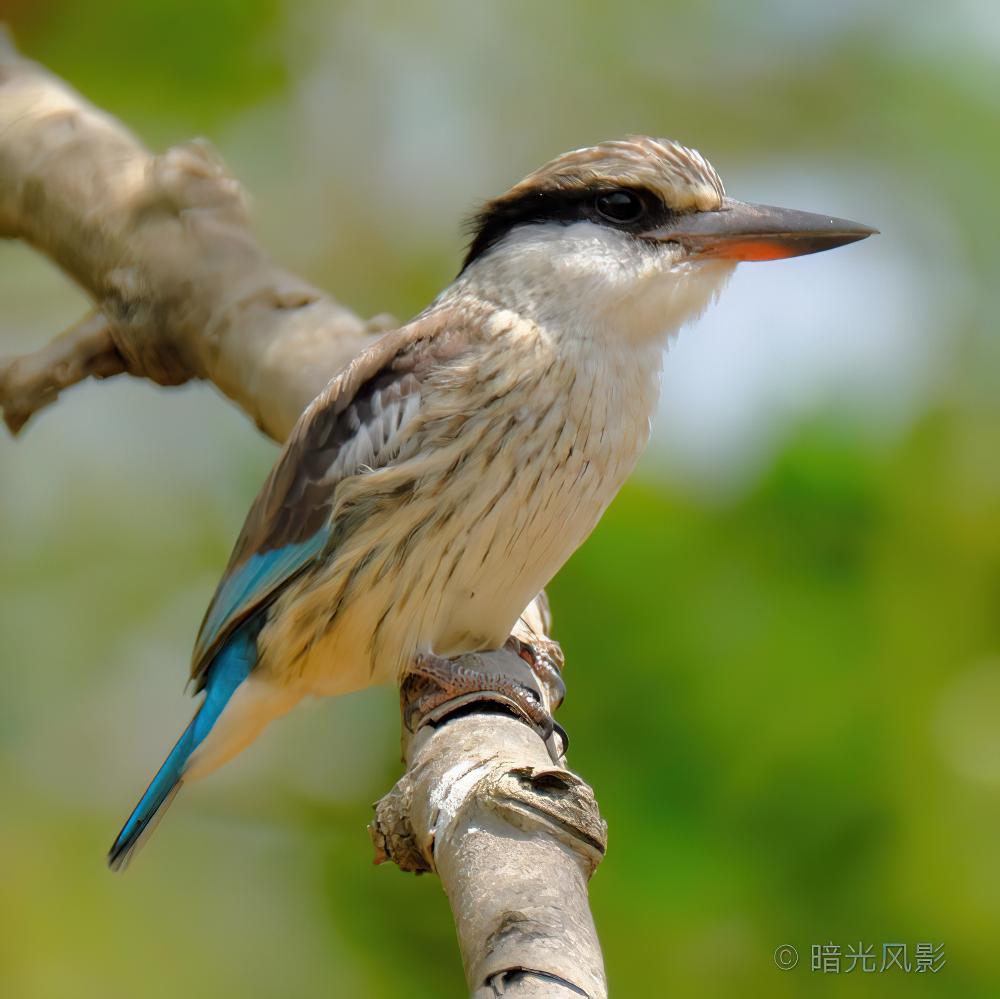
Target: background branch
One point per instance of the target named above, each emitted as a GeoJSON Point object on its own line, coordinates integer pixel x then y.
{"type": "Point", "coordinates": [162, 245]}
{"type": "Point", "coordinates": [182, 290]}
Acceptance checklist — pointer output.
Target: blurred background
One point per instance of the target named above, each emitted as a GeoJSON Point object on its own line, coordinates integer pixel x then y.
{"type": "Point", "coordinates": [783, 641]}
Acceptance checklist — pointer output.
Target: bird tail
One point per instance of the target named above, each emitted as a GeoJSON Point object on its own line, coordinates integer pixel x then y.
{"type": "Point", "coordinates": [231, 667]}
{"type": "Point", "coordinates": [154, 802]}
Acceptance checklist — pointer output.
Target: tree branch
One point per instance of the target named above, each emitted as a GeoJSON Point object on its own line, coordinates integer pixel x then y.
{"type": "Point", "coordinates": [162, 245]}
{"type": "Point", "coordinates": [182, 290]}
{"type": "Point", "coordinates": [29, 383]}
{"type": "Point", "coordinates": [513, 835]}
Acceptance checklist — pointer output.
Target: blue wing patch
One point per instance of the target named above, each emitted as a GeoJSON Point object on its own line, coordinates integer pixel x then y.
{"type": "Point", "coordinates": [355, 424]}
{"type": "Point", "coordinates": [248, 585]}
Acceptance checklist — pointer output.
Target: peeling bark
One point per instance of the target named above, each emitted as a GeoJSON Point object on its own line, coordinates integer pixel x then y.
{"type": "Point", "coordinates": [514, 839]}
{"type": "Point", "coordinates": [182, 290]}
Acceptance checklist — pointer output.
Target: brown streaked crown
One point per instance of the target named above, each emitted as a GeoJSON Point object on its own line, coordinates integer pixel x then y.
{"type": "Point", "coordinates": [670, 179]}
{"type": "Point", "coordinates": [682, 177]}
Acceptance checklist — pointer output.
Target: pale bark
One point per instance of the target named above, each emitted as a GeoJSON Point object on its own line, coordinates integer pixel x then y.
{"type": "Point", "coordinates": [182, 290]}
{"type": "Point", "coordinates": [163, 246]}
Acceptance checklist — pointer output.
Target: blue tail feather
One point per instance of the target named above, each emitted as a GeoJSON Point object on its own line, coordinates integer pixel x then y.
{"type": "Point", "coordinates": [230, 668]}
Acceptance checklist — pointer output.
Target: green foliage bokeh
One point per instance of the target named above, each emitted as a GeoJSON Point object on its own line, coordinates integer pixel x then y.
{"type": "Point", "coordinates": [785, 692]}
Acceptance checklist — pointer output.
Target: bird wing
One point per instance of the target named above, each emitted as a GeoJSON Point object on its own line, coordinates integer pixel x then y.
{"type": "Point", "coordinates": [357, 422]}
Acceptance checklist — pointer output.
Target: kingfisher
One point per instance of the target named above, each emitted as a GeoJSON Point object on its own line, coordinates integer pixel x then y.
{"type": "Point", "coordinates": [440, 480]}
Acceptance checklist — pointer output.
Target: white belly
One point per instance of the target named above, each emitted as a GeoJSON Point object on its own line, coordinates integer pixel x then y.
{"type": "Point", "coordinates": [450, 571]}
{"type": "Point", "coordinates": [513, 554]}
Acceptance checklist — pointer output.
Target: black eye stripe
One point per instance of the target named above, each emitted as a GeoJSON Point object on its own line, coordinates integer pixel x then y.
{"type": "Point", "coordinates": [489, 227]}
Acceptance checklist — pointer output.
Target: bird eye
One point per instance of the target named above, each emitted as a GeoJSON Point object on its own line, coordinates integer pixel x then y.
{"type": "Point", "coordinates": [622, 207]}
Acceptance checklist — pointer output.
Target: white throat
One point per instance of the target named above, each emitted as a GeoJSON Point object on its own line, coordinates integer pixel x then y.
{"type": "Point", "coordinates": [589, 281]}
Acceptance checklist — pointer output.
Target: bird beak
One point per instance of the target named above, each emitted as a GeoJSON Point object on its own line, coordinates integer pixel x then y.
{"type": "Point", "coordinates": [739, 231]}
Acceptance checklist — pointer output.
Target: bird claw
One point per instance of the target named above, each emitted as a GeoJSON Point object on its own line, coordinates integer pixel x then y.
{"type": "Point", "coordinates": [546, 660]}
{"type": "Point", "coordinates": [435, 688]}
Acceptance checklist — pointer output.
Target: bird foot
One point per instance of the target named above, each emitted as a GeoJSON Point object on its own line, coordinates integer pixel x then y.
{"type": "Point", "coordinates": [435, 688]}
{"type": "Point", "coordinates": [546, 660]}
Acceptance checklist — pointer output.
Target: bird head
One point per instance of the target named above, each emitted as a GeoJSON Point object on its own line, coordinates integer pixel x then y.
{"type": "Point", "coordinates": [630, 238]}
